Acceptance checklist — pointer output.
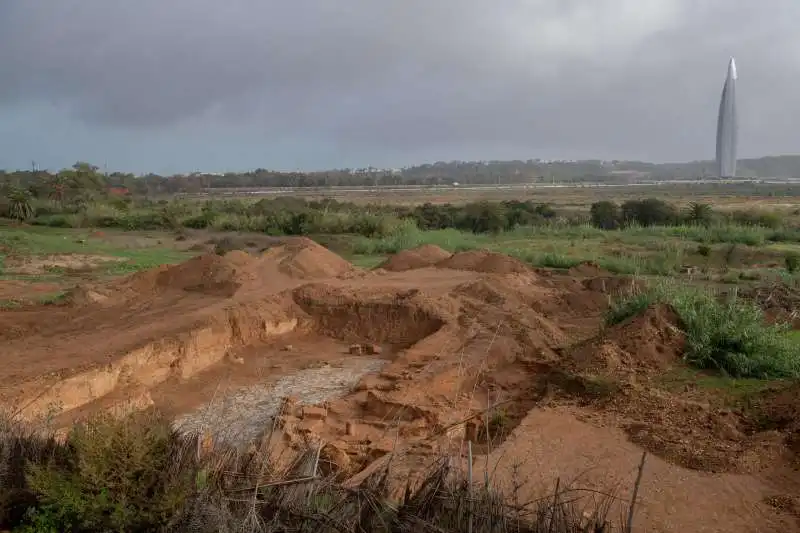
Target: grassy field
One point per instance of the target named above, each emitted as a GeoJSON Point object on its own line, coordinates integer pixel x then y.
{"type": "Point", "coordinates": [723, 254]}
{"type": "Point", "coordinates": [37, 265]}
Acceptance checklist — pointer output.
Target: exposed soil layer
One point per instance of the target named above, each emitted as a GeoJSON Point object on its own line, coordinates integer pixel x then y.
{"type": "Point", "coordinates": [423, 256]}
{"type": "Point", "coordinates": [410, 361]}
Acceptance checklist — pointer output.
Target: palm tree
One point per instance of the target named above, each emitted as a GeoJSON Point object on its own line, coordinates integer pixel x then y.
{"type": "Point", "coordinates": [698, 213]}
{"type": "Point", "coordinates": [58, 185]}
{"type": "Point", "coordinates": [20, 207]}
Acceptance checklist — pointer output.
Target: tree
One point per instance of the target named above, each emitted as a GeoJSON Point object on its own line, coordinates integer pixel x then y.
{"type": "Point", "coordinates": [20, 207]}
{"type": "Point", "coordinates": [649, 212]}
{"type": "Point", "coordinates": [486, 217]}
{"type": "Point", "coordinates": [698, 213]}
{"type": "Point", "coordinates": [88, 178]}
{"type": "Point", "coordinates": [605, 215]}
{"type": "Point", "coordinates": [58, 186]}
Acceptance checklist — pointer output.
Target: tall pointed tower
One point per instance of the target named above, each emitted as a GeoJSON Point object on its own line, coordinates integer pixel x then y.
{"type": "Point", "coordinates": [727, 126]}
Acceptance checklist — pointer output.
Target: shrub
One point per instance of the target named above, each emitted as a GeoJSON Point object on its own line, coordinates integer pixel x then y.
{"type": "Point", "coordinates": [649, 212]}
{"type": "Point", "coordinates": [605, 215]}
{"type": "Point", "coordinates": [137, 475]}
{"type": "Point", "coordinates": [123, 476]}
{"type": "Point", "coordinates": [729, 335]}
{"type": "Point", "coordinates": [766, 219]}
{"type": "Point", "coordinates": [792, 262]}
{"type": "Point", "coordinates": [699, 214]}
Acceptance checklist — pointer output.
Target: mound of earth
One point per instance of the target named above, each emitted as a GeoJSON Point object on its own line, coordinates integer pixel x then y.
{"type": "Point", "coordinates": [207, 274]}
{"type": "Point", "coordinates": [485, 261]}
{"type": "Point", "coordinates": [649, 341]}
{"type": "Point", "coordinates": [224, 275]}
{"type": "Point", "coordinates": [305, 259]}
{"type": "Point", "coordinates": [423, 256]}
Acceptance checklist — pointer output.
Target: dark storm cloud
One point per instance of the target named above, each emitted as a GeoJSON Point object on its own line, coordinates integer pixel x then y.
{"type": "Point", "coordinates": [604, 76]}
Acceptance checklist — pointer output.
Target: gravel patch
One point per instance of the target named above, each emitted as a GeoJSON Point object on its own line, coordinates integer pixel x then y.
{"type": "Point", "coordinates": [243, 415]}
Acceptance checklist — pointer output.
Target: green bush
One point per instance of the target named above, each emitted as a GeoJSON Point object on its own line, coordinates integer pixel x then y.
{"type": "Point", "coordinates": [765, 219]}
{"type": "Point", "coordinates": [792, 262]}
{"type": "Point", "coordinates": [729, 335]}
{"type": "Point", "coordinates": [123, 476]}
{"type": "Point", "coordinates": [605, 215]}
{"type": "Point", "coordinates": [649, 212]}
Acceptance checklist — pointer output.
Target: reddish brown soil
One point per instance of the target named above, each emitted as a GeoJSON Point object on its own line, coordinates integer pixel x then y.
{"type": "Point", "coordinates": [651, 341]}
{"type": "Point", "coordinates": [779, 410]}
{"type": "Point", "coordinates": [779, 302]}
{"type": "Point", "coordinates": [16, 290]}
{"type": "Point", "coordinates": [476, 331]}
{"type": "Point", "coordinates": [484, 261]}
{"type": "Point", "coordinates": [423, 256]}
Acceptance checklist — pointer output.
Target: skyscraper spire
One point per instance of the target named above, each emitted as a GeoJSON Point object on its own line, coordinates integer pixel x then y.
{"type": "Point", "coordinates": [727, 126]}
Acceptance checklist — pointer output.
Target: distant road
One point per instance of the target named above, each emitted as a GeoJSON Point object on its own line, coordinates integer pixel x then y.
{"type": "Point", "coordinates": [450, 188]}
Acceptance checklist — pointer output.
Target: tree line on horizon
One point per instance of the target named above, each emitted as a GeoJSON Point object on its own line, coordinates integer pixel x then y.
{"type": "Point", "coordinates": [441, 173]}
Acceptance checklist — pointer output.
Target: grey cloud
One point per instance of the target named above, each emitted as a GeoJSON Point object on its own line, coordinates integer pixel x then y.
{"type": "Point", "coordinates": [604, 76]}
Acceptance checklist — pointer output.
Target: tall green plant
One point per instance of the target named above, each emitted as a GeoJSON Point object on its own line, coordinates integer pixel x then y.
{"type": "Point", "coordinates": [20, 206]}
{"type": "Point", "coordinates": [730, 335]}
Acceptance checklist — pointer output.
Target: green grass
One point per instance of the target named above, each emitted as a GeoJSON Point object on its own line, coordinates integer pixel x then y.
{"type": "Point", "coordinates": [367, 261]}
{"type": "Point", "coordinates": [732, 390]}
{"type": "Point", "coordinates": [729, 336]}
{"type": "Point", "coordinates": [144, 259]}
{"type": "Point", "coordinates": [409, 236]}
{"type": "Point", "coordinates": [548, 247]}
{"type": "Point", "coordinates": [47, 241]}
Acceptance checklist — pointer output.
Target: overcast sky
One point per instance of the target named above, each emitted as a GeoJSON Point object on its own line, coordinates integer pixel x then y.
{"type": "Point", "coordinates": [177, 85]}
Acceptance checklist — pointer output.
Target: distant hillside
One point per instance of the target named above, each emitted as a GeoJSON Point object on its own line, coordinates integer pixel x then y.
{"type": "Point", "coordinates": [440, 173]}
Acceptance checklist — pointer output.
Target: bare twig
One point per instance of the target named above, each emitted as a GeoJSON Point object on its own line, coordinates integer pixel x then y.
{"type": "Point", "coordinates": [629, 525]}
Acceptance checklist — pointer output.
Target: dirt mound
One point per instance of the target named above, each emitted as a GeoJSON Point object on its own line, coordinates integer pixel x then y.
{"type": "Point", "coordinates": [208, 274]}
{"type": "Point", "coordinates": [222, 276]}
{"type": "Point", "coordinates": [305, 259]}
{"type": "Point", "coordinates": [587, 269]}
{"type": "Point", "coordinates": [485, 261]}
{"type": "Point", "coordinates": [649, 341]}
{"type": "Point", "coordinates": [420, 257]}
